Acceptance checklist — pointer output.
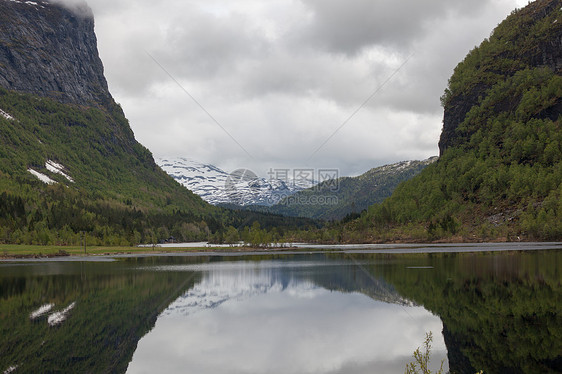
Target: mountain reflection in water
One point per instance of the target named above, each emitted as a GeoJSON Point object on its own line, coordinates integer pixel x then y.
{"type": "Point", "coordinates": [324, 313]}
{"type": "Point", "coordinates": [275, 317]}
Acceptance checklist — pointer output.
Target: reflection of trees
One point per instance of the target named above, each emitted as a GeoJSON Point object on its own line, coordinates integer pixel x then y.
{"type": "Point", "coordinates": [501, 312]}
{"type": "Point", "coordinates": [115, 306]}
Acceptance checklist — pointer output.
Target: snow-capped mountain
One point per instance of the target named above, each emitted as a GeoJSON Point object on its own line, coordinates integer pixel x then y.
{"type": "Point", "coordinates": [241, 187]}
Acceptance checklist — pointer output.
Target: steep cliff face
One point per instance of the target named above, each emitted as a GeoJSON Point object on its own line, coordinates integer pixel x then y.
{"type": "Point", "coordinates": [66, 148]}
{"type": "Point", "coordinates": [49, 50]}
{"type": "Point", "coordinates": [529, 38]}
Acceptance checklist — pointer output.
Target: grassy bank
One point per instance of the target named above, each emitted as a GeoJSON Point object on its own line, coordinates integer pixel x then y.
{"type": "Point", "coordinates": [15, 251]}
{"type": "Point", "coordinates": [11, 251]}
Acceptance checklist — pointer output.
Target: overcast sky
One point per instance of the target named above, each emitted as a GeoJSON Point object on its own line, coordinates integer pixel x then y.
{"type": "Point", "coordinates": [266, 84]}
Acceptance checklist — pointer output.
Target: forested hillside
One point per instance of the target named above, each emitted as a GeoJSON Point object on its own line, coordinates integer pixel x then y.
{"type": "Point", "coordinates": [500, 172]}
{"type": "Point", "coordinates": [348, 196]}
{"type": "Point", "coordinates": [110, 189]}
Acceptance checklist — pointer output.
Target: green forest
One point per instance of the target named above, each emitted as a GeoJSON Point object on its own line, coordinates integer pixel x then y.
{"type": "Point", "coordinates": [498, 176]}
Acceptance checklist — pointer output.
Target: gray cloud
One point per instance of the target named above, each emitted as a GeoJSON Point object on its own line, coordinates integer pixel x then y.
{"type": "Point", "coordinates": [205, 45]}
{"type": "Point", "coordinates": [281, 76]}
{"type": "Point", "coordinates": [349, 26]}
{"type": "Point", "coordinates": [78, 7]}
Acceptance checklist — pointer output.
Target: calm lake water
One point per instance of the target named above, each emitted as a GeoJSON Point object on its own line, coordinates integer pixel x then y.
{"type": "Point", "coordinates": [285, 313]}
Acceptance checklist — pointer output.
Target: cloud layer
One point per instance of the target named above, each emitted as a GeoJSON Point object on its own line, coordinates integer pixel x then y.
{"type": "Point", "coordinates": [282, 76]}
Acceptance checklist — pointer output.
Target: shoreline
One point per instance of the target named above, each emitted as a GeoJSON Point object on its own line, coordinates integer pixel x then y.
{"type": "Point", "coordinates": [106, 254]}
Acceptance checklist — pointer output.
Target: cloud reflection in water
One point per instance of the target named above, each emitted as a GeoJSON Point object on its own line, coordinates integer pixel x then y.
{"type": "Point", "coordinates": [263, 319]}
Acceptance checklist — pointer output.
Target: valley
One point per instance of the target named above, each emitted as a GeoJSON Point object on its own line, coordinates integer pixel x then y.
{"type": "Point", "coordinates": [115, 258]}
{"type": "Point", "coordinates": [71, 164]}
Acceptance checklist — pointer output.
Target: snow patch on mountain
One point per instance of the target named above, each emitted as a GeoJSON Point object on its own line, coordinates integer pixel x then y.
{"type": "Point", "coordinates": [241, 187]}
{"type": "Point", "coordinates": [42, 177]}
{"type": "Point", "coordinates": [398, 167]}
{"type": "Point", "coordinates": [32, 3]}
{"type": "Point", "coordinates": [6, 115]}
{"type": "Point", "coordinates": [52, 167]}
{"type": "Point", "coordinates": [206, 181]}
{"type": "Point", "coordinates": [57, 168]}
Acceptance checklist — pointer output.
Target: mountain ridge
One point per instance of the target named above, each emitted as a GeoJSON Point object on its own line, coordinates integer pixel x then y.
{"type": "Point", "coordinates": [336, 199]}
{"type": "Point", "coordinates": [351, 195]}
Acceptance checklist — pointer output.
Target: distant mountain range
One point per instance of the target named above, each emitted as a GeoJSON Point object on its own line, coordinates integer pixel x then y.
{"type": "Point", "coordinates": [331, 199]}
{"type": "Point", "coordinates": [335, 199]}
{"type": "Point", "coordinates": [242, 187]}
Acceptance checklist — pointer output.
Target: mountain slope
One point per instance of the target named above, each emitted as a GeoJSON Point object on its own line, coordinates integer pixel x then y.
{"type": "Point", "coordinates": [500, 171]}
{"type": "Point", "coordinates": [69, 162]}
{"type": "Point", "coordinates": [94, 146]}
{"type": "Point", "coordinates": [334, 199]}
{"type": "Point", "coordinates": [240, 188]}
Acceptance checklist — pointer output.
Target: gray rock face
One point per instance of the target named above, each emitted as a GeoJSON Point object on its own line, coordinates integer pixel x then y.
{"type": "Point", "coordinates": [49, 50]}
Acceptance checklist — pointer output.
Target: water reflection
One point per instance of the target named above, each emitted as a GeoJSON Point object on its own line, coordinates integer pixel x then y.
{"type": "Point", "coordinates": [267, 317]}
{"type": "Point", "coordinates": [79, 317]}
{"type": "Point", "coordinates": [327, 313]}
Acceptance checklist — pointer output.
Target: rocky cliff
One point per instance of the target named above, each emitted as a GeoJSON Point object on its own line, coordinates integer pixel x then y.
{"type": "Point", "coordinates": [49, 50]}
{"type": "Point", "coordinates": [529, 38]}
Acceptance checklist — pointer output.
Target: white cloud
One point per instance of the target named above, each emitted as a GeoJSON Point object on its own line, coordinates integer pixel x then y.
{"type": "Point", "coordinates": [280, 76]}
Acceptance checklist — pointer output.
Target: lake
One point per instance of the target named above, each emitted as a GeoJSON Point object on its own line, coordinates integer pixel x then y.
{"type": "Point", "coordinates": [298, 312]}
